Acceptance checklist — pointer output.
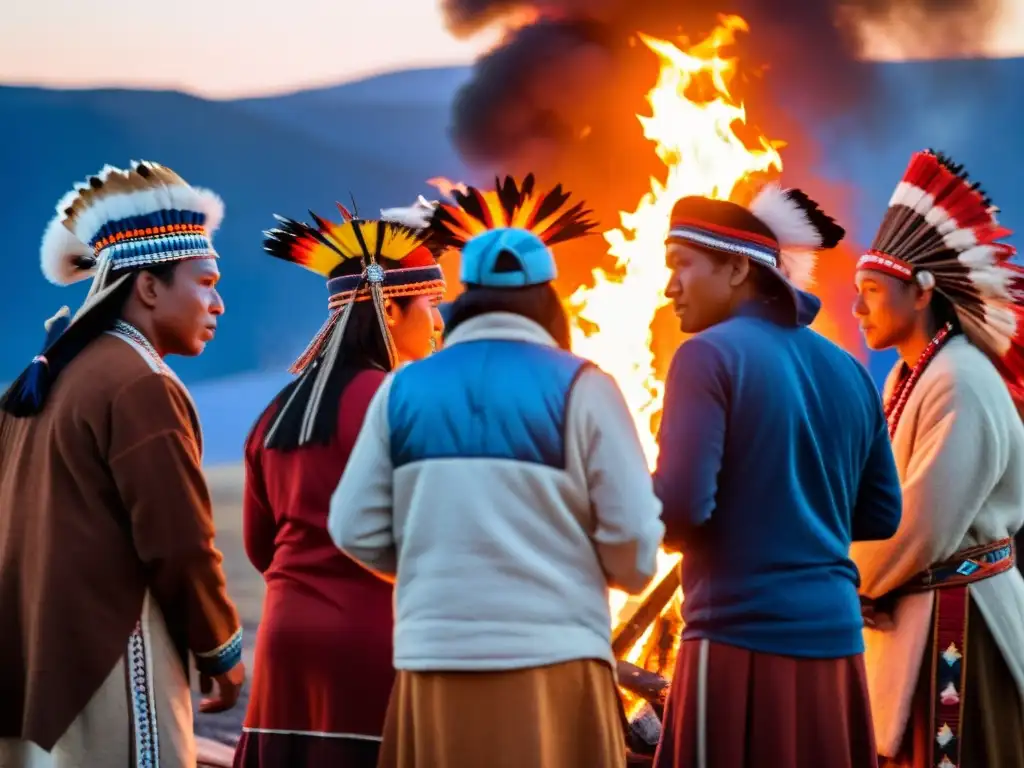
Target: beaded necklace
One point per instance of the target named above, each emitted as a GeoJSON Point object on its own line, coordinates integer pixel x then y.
{"type": "Point", "coordinates": [133, 333]}
{"type": "Point", "coordinates": [906, 383]}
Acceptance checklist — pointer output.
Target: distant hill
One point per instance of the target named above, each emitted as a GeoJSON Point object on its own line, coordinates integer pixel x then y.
{"type": "Point", "coordinates": [382, 138]}
{"type": "Point", "coordinates": [262, 159]}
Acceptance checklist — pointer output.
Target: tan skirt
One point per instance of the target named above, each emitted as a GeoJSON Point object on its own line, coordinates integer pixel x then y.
{"type": "Point", "coordinates": [140, 716]}
{"type": "Point", "coordinates": [992, 713]}
{"type": "Point", "coordinates": [561, 716]}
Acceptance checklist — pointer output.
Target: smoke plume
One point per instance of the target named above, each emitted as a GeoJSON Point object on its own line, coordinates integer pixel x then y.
{"type": "Point", "coordinates": [559, 95]}
{"type": "Point", "coordinates": [569, 74]}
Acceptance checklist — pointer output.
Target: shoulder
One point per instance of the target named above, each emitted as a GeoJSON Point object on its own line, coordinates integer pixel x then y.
{"type": "Point", "coordinates": [110, 376]}
{"type": "Point", "coordinates": [594, 385]}
{"type": "Point", "coordinates": [365, 384]}
{"type": "Point", "coordinates": [962, 373]}
{"type": "Point", "coordinates": [109, 364]}
{"type": "Point", "coordinates": [366, 388]}
{"type": "Point", "coordinates": [707, 353]}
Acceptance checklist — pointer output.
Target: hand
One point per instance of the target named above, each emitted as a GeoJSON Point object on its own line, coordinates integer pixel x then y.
{"type": "Point", "coordinates": [874, 616]}
{"type": "Point", "coordinates": [229, 687]}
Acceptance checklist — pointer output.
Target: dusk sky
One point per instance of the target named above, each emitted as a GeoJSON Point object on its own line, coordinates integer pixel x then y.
{"type": "Point", "coordinates": [225, 48]}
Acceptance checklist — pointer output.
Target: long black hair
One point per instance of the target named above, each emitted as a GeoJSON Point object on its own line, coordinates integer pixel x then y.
{"type": "Point", "coordinates": [539, 303]}
{"type": "Point", "coordinates": [27, 395]}
{"type": "Point", "coordinates": [362, 348]}
{"type": "Point", "coordinates": [943, 312]}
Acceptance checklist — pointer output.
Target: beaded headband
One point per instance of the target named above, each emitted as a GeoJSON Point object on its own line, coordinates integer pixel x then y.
{"type": "Point", "coordinates": [782, 229]}
{"type": "Point", "coordinates": [329, 247]}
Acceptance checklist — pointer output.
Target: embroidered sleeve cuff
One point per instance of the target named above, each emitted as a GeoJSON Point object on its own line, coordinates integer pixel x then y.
{"type": "Point", "coordinates": [220, 660]}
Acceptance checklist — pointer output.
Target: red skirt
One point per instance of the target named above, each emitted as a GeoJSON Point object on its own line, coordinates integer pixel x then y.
{"type": "Point", "coordinates": [321, 679]}
{"type": "Point", "coordinates": [733, 708]}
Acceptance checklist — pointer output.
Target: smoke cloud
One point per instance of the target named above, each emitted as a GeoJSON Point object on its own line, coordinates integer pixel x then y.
{"type": "Point", "coordinates": [570, 74]}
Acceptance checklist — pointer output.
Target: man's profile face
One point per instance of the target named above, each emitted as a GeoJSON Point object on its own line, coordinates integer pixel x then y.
{"type": "Point", "coordinates": [886, 308]}
{"type": "Point", "coordinates": [700, 287]}
{"type": "Point", "coordinates": [185, 311]}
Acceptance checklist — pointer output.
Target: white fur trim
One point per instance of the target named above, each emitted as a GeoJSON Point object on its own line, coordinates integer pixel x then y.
{"type": "Point", "coordinates": [785, 219]}
{"type": "Point", "coordinates": [209, 202]}
{"type": "Point", "coordinates": [925, 279]}
{"type": "Point", "coordinates": [416, 216]}
{"type": "Point", "coordinates": [156, 198]}
{"type": "Point", "coordinates": [58, 252]}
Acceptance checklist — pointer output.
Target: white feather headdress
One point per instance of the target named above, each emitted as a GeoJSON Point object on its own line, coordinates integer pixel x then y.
{"type": "Point", "coordinates": [128, 218]}
{"type": "Point", "coordinates": [800, 227]}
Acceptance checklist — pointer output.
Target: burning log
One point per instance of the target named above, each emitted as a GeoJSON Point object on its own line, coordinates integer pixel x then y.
{"type": "Point", "coordinates": [629, 632]}
{"type": "Point", "coordinates": [650, 686]}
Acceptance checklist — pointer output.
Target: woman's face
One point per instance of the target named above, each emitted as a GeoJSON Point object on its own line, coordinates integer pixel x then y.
{"type": "Point", "coordinates": [417, 328]}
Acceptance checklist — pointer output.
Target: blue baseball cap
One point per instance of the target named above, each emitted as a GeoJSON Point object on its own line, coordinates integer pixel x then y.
{"type": "Point", "coordinates": [507, 258]}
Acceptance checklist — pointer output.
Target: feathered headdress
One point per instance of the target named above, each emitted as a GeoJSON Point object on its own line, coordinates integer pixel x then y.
{"type": "Point", "coordinates": [120, 219]}
{"type": "Point", "coordinates": [109, 224]}
{"type": "Point", "coordinates": [941, 231]}
{"type": "Point", "coordinates": [393, 261]}
{"type": "Point", "coordinates": [509, 205]}
{"type": "Point", "coordinates": [783, 229]}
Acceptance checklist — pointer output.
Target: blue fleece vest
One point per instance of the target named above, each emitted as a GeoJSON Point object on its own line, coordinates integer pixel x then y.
{"type": "Point", "coordinates": [487, 399]}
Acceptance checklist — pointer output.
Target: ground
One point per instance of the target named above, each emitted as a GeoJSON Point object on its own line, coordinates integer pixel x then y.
{"type": "Point", "coordinates": [245, 586]}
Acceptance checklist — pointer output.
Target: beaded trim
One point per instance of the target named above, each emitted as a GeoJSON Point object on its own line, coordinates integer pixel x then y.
{"type": "Point", "coordinates": [140, 677]}
{"type": "Point", "coordinates": [133, 333]}
{"type": "Point", "coordinates": [339, 300]}
{"type": "Point", "coordinates": [147, 232]}
{"type": "Point", "coordinates": [906, 384]}
{"type": "Point", "coordinates": [220, 660]}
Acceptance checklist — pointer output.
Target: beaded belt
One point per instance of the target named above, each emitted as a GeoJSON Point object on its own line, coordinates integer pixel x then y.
{"type": "Point", "coordinates": [949, 637]}
{"type": "Point", "coordinates": [964, 567]}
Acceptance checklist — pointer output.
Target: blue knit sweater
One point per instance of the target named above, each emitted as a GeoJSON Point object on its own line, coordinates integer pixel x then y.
{"type": "Point", "coordinates": [774, 456]}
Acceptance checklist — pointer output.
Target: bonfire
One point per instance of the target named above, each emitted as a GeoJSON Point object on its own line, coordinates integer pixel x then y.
{"type": "Point", "coordinates": [694, 125]}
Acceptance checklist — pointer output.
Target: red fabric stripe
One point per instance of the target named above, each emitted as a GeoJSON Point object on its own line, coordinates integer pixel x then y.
{"type": "Point", "coordinates": [950, 636]}
{"type": "Point", "coordinates": [739, 234]}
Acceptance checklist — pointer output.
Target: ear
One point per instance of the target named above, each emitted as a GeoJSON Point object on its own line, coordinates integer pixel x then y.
{"type": "Point", "coordinates": [922, 297]}
{"type": "Point", "coordinates": [392, 313]}
{"type": "Point", "coordinates": [146, 289]}
{"type": "Point", "coordinates": [739, 270]}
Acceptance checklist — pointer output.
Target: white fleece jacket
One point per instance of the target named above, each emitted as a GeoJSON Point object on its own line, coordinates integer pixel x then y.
{"type": "Point", "coordinates": [499, 564]}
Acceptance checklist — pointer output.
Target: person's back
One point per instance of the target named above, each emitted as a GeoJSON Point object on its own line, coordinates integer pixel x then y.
{"type": "Point", "coordinates": [503, 484]}
{"type": "Point", "coordinates": [774, 456]}
{"type": "Point", "coordinates": [786, 509]}
{"type": "Point", "coordinates": [492, 489]}
{"type": "Point", "coordinates": [287, 496]}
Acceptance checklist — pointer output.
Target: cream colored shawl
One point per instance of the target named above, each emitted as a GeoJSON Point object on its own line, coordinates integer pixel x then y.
{"type": "Point", "coordinates": [959, 450]}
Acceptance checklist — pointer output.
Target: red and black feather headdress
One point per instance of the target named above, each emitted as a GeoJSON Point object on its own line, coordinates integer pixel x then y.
{"type": "Point", "coordinates": [941, 231]}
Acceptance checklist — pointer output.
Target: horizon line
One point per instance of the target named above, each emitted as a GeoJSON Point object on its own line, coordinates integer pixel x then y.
{"type": "Point", "coordinates": [365, 76]}
{"type": "Point", "coordinates": [240, 95]}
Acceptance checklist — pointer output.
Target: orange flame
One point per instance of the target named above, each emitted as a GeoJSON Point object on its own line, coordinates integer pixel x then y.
{"type": "Point", "coordinates": [692, 124]}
